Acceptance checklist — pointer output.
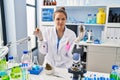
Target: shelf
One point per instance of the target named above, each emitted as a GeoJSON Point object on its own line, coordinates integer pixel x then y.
{"type": "Point", "coordinates": [52, 24]}
{"type": "Point", "coordinates": [78, 7]}
{"type": "Point", "coordinates": [85, 24]}
{"type": "Point", "coordinates": [102, 44]}
{"type": "Point", "coordinates": [48, 6]}
{"type": "Point", "coordinates": [47, 23]}
{"type": "Point", "coordinates": [113, 25]}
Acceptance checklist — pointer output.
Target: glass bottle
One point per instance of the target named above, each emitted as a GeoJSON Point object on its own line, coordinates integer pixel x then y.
{"type": "Point", "coordinates": [44, 2]}
{"type": "Point", "coordinates": [25, 59]}
{"type": "Point", "coordinates": [35, 61]}
{"type": "Point", "coordinates": [94, 19]}
{"type": "Point", "coordinates": [54, 2]}
{"type": "Point", "coordinates": [113, 73]}
{"type": "Point", "coordinates": [3, 64]}
{"type": "Point", "coordinates": [10, 62]}
{"type": "Point", "coordinates": [51, 2]}
{"type": "Point", "coordinates": [26, 64]}
{"type": "Point", "coordinates": [89, 18]}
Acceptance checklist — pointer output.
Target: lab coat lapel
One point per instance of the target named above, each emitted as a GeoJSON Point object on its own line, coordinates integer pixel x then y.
{"type": "Point", "coordinates": [63, 40]}
{"type": "Point", "coordinates": [55, 38]}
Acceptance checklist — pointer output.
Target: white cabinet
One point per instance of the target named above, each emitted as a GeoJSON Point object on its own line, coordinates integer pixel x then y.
{"type": "Point", "coordinates": [113, 24]}
{"type": "Point", "coordinates": [101, 58]}
{"type": "Point", "coordinates": [118, 56]}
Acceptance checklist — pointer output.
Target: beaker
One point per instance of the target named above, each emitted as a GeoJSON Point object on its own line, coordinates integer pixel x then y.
{"type": "Point", "coordinates": [35, 61]}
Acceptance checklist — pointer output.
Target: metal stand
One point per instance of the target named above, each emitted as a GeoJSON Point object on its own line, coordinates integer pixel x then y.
{"type": "Point", "coordinates": [4, 49]}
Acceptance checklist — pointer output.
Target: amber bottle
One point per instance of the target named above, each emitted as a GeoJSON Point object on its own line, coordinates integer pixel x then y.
{"type": "Point", "coordinates": [54, 2]}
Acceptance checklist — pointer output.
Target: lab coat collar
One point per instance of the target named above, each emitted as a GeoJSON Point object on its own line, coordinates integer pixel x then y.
{"type": "Point", "coordinates": [63, 39]}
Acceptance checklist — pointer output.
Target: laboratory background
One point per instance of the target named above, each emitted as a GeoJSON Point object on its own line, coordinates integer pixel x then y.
{"type": "Point", "coordinates": [101, 42]}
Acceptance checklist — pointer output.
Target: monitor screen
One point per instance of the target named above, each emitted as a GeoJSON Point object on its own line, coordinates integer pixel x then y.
{"type": "Point", "coordinates": [73, 28]}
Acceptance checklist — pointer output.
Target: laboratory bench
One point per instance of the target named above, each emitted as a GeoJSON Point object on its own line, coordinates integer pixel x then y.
{"type": "Point", "coordinates": [101, 44]}
{"type": "Point", "coordinates": [101, 57]}
{"type": "Point", "coordinates": [62, 74]}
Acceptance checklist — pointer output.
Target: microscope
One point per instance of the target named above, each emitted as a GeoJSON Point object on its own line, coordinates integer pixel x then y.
{"type": "Point", "coordinates": [77, 68]}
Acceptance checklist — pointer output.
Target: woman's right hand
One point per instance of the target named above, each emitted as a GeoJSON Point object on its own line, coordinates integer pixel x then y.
{"type": "Point", "coordinates": [38, 34]}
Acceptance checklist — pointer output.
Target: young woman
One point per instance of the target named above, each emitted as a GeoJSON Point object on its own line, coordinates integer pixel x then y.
{"type": "Point", "coordinates": [57, 42]}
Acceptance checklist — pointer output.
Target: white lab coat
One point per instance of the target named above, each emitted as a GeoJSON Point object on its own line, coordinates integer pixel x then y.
{"type": "Point", "coordinates": [58, 57]}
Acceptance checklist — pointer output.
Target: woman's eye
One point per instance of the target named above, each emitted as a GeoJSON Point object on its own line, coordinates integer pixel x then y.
{"type": "Point", "coordinates": [57, 19]}
{"type": "Point", "coordinates": [63, 18]}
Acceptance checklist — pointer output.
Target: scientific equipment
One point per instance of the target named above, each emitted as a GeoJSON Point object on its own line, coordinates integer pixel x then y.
{"type": "Point", "coordinates": [89, 19]}
{"type": "Point", "coordinates": [77, 68]}
{"type": "Point", "coordinates": [35, 61]}
{"type": "Point", "coordinates": [3, 64]}
{"type": "Point", "coordinates": [25, 59]}
{"type": "Point", "coordinates": [96, 41]}
{"type": "Point", "coordinates": [36, 69]}
{"type": "Point", "coordinates": [81, 33]}
{"type": "Point", "coordinates": [11, 62]}
{"type": "Point", "coordinates": [101, 16]}
{"type": "Point", "coordinates": [5, 77]}
{"type": "Point", "coordinates": [24, 68]}
{"type": "Point", "coordinates": [89, 32]}
{"type": "Point", "coordinates": [113, 74]}
{"type": "Point", "coordinates": [16, 73]}
{"type": "Point", "coordinates": [3, 51]}
{"type": "Point", "coordinates": [94, 19]}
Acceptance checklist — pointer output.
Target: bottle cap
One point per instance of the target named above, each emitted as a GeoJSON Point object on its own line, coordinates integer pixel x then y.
{"type": "Point", "coordinates": [25, 51]}
{"type": "Point", "coordinates": [10, 57]}
{"type": "Point", "coordinates": [89, 14]}
{"type": "Point", "coordinates": [94, 14]}
{"type": "Point", "coordinates": [114, 67]}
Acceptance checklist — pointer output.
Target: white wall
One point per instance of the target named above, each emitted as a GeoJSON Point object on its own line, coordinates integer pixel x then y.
{"type": "Point", "coordinates": [87, 2]}
{"type": "Point", "coordinates": [105, 2]}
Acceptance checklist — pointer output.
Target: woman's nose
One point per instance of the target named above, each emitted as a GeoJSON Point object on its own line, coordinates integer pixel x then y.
{"type": "Point", "coordinates": [61, 21]}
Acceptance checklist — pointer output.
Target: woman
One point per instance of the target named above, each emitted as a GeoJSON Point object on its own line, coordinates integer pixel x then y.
{"type": "Point", "coordinates": [57, 42]}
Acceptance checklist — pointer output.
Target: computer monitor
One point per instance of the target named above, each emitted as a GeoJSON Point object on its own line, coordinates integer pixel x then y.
{"type": "Point", "coordinates": [73, 28]}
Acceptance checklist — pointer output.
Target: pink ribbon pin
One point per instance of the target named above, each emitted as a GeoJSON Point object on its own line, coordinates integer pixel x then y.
{"type": "Point", "coordinates": [67, 46]}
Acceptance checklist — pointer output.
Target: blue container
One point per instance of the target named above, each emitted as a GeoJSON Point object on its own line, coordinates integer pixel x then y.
{"type": "Point", "coordinates": [36, 70]}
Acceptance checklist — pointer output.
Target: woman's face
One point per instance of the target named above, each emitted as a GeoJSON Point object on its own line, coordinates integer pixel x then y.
{"type": "Point", "coordinates": [60, 20]}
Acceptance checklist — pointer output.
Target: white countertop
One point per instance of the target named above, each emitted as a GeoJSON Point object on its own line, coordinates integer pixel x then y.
{"type": "Point", "coordinates": [62, 74]}
{"type": "Point", "coordinates": [102, 44]}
